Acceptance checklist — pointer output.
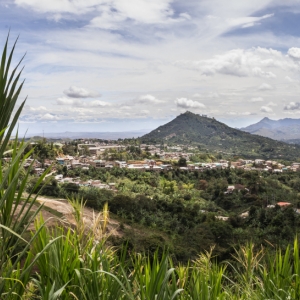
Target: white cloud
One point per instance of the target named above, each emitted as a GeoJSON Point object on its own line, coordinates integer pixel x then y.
{"type": "Point", "coordinates": [254, 62]}
{"type": "Point", "coordinates": [60, 6]}
{"type": "Point", "coordinates": [246, 113]}
{"type": "Point", "coordinates": [187, 103]}
{"type": "Point", "coordinates": [288, 78]}
{"type": "Point", "coordinates": [143, 11]}
{"type": "Point", "coordinates": [292, 106]}
{"type": "Point", "coordinates": [98, 103]}
{"type": "Point", "coordinates": [77, 92]}
{"type": "Point", "coordinates": [265, 87]}
{"type": "Point", "coordinates": [148, 99]}
{"type": "Point", "coordinates": [35, 109]}
{"type": "Point", "coordinates": [271, 104]}
{"type": "Point", "coordinates": [108, 20]}
{"type": "Point", "coordinates": [49, 117]}
{"type": "Point", "coordinates": [266, 109]}
{"type": "Point", "coordinates": [246, 22]}
{"type": "Point", "coordinates": [294, 53]}
{"type": "Point", "coordinates": [109, 12]}
{"type": "Point", "coordinates": [257, 99]}
{"type": "Point", "coordinates": [78, 103]}
{"type": "Point", "coordinates": [70, 101]}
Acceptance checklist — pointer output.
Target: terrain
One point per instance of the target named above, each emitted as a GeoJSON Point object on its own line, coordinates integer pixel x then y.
{"type": "Point", "coordinates": [287, 129]}
{"type": "Point", "coordinates": [212, 135]}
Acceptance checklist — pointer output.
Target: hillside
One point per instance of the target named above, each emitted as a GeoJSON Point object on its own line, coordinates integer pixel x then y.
{"type": "Point", "coordinates": [283, 130]}
{"type": "Point", "coordinates": [210, 134]}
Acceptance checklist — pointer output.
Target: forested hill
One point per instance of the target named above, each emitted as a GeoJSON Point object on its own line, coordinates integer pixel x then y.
{"type": "Point", "coordinates": [208, 133]}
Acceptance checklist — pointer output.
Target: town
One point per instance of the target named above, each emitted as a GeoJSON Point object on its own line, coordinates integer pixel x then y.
{"type": "Point", "coordinates": [93, 154]}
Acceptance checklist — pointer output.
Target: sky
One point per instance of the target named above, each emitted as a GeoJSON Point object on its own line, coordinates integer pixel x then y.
{"type": "Point", "coordinates": [130, 65]}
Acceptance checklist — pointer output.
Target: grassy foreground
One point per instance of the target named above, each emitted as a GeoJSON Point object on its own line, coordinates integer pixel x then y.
{"type": "Point", "coordinates": [76, 263]}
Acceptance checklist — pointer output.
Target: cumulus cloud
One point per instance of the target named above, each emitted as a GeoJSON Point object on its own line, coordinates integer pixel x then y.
{"type": "Point", "coordinates": [257, 99]}
{"type": "Point", "coordinates": [49, 117]}
{"type": "Point", "coordinates": [187, 103]}
{"type": "Point", "coordinates": [78, 92]}
{"type": "Point", "coordinates": [148, 99]}
{"type": "Point", "coordinates": [266, 109]}
{"type": "Point", "coordinates": [79, 103]}
{"type": "Point", "coordinates": [294, 53]}
{"type": "Point", "coordinates": [265, 87]}
{"type": "Point", "coordinates": [292, 106]}
{"type": "Point", "coordinates": [271, 104]}
{"type": "Point", "coordinates": [254, 62]}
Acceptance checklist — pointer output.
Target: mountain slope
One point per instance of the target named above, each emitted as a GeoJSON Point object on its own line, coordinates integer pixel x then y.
{"type": "Point", "coordinates": [192, 129]}
{"type": "Point", "coordinates": [284, 129]}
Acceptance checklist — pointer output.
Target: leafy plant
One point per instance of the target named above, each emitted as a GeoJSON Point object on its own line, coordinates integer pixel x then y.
{"type": "Point", "coordinates": [15, 212]}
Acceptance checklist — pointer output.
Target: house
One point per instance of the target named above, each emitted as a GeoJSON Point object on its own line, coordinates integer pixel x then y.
{"type": "Point", "coordinates": [59, 177]}
{"type": "Point", "coordinates": [235, 164]}
{"type": "Point", "coordinates": [38, 171]}
{"type": "Point", "coordinates": [283, 204]}
{"type": "Point", "coordinates": [245, 215]}
{"type": "Point", "coordinates": [191, 167]}
{"type": "Point", "coordinates": [230, 189]}
{"type": "Point", "coordinates": [64, 161]}
{"type": "Point", "coordinates": [97, 163]}
{"type": "Point", "coordinates": [222, 218]}
{"type": "Point", "coordinates": [120, 164]}
{"type": "Point", "coordinates": [259, 162]}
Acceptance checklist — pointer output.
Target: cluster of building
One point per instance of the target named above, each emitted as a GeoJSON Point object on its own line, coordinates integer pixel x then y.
{"type": "Point", "coordinates": [163, 152]}
{"type": "Point", "coordinates": [264, 165]}
{"type": "Point", "coordinates": [89, 154]}
{"type": "Point", "coordinates": [87, 183]}
{"type": "Point", "coordinates": [85, 162]}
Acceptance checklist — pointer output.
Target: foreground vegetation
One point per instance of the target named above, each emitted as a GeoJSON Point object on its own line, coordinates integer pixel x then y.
{"type": "Point", "coordinates": [76, 261]}
{"type": "Point", "coordinates": [182, 210]}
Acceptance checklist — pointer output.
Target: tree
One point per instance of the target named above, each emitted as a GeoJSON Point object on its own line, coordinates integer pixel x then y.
{"type": "Point", "coordinates": [181, 162]}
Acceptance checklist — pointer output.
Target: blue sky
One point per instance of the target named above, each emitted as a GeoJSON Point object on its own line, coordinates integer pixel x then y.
{"type": "Point", "coordinates": [117, 65]}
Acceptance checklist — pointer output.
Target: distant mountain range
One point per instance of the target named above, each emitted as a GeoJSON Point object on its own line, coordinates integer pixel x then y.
{"type": "Point", "coordinates": [210, 134]}
{"type": "Point", "coordinates": [91, 135]}
{"type": "Point", "coordinates": [287, 130]}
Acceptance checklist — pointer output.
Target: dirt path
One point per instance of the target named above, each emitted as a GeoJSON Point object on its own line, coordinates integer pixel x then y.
{"type": "Point", "coordinates": [65, 208]}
